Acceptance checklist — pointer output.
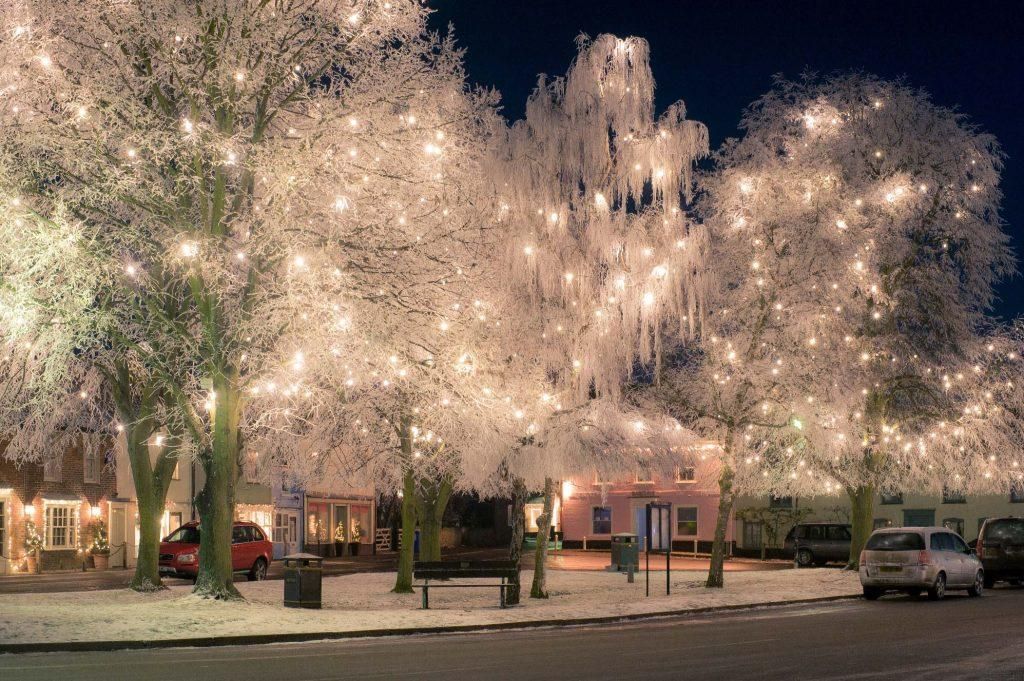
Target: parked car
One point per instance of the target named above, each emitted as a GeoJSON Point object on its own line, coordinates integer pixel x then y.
{"type": "Point", "coordinates": [251, 551]}
{"type": "Point", "coordinates": [818, 543]}
{"type": "Point", "coordinates": [915, 559]}
{"type": "Point", "coordinates": [1001, 549]}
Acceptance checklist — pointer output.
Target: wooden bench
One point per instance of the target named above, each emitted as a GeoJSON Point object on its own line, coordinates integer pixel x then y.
{"type": "Point", "coordinates": [462, 569]}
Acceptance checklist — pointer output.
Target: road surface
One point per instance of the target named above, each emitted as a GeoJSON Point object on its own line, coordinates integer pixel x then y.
{"type": "Point", "coordinates": [894, 638]}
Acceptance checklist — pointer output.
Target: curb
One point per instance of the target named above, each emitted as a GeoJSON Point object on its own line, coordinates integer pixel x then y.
{"type": "Point", "coordinates": [302, 637]}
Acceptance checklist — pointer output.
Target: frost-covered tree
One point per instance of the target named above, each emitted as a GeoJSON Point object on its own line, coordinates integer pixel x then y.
{"type": "Point", "coordinates": [273, 172]}
{"type": "Point", "coordinates": [858, 224]}
{"type": "Point", "coordinates": [598, 251]}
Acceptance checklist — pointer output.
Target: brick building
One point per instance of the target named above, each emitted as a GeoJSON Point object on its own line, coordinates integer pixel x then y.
{"type": "Point", "coordinates": [64, 498]}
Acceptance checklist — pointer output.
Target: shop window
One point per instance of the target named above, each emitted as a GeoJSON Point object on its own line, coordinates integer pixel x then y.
{"type": "Point", "coordinates": [61, 527]}
{"type": "Point", "coordinates": [92, 463]}
{"type": "Point", "coordinates": [686, 521]}
{"type": "Point", "coordinates": [360, 526]}
{"type": "Point", "coordinates": [953, 497]}
{"type": "Point", "coordinates": [602, 520]}
{"type": "Point", "coordinates": [318, 523]}
{"type": "Point", "coordinates": [954, 524]}
{"type": "Point", "coordinates": [51, 470]}
{"type": "Point", "coordinates": [751, 534]}
{"type": "Point", "coordinates": [892, 499]}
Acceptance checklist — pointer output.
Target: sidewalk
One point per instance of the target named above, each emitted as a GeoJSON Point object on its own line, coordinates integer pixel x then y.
{"type": "Point", "coordinates": [362, 605]}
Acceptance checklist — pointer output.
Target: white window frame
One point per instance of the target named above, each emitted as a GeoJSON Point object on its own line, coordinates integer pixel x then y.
{"type": "Point", "coordinates": [686, 481]}
{"type": "Point", "coordinates": [71, 525]}
{"type": "Point", "coordinates": [610, 518]}
{"type": "Point", "coordinates": [638, 480]}
{"type": "Point", "coordinates": [92, 462]}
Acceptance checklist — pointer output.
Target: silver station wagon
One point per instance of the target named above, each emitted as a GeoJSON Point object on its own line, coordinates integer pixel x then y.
{"type": "Point", "coordinates": [915, 559]}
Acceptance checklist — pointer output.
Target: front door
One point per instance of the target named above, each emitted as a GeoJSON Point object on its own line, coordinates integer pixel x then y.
{"type": "Point", "coordinates": [640, 525]}
{"type": "Point", "coordinates": [918, 517]}
{"type": "Point", "coordinates": [118, 536]}
{"type": "Point", "coordinates": [286, 532]}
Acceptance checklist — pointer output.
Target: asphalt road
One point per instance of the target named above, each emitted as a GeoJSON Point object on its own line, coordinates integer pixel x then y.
{"type": "Point", "coordinates": [894, 638]}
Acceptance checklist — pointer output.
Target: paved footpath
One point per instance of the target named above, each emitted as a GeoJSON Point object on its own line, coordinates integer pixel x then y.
{"type": "Point", "coordinates": [562, 560]}
{"type": "Point", "coordinates": [894, 638]}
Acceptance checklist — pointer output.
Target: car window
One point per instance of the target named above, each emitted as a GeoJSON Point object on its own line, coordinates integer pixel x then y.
{"type": "Point", "coordinates": [257, 534]}
{"type": "Point", "coordinates": [814, 532]}
{"type": "Point", "coordinates": [958, 544]}
{"type": "Point", "coordinates": [1007, 530]}
{"type": "Point", "coordinates": [184, 535]}
{"type": "Point", "coordinates": [238, 535]}
{"type": "Point", "coordinates": [895, 541]}
{"type": "Point", "coordinates": [941, 542]}
{"type": "Point", "coordinates": [838, 533]}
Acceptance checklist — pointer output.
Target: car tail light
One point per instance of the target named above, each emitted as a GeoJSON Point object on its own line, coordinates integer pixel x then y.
{"type": "Point", "coordinates": [924, 558]}
{"type": "Point", "coordinates": [979, 548]}
{"type": "Point", "coordinates": [862, 559]}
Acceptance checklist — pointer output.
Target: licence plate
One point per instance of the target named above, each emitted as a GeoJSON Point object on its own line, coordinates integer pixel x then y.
{"type": "Point", "coordinates": [165, 569]}
{"type": "Point", "coordinates": [890, 568]}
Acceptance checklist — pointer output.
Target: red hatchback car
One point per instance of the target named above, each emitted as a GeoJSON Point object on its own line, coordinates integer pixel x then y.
{"type": "Point", "coordinates": [251, 551]}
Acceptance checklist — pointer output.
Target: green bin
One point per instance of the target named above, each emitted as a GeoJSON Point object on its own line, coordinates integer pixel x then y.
{"type": "Point", "coordinates": [625, 551]}
{"type": "Point", "coordinates": [303, 580]}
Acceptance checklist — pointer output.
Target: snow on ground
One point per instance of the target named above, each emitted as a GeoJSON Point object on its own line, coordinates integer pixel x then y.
{"type": "Point", "coordinates": [363, 601]}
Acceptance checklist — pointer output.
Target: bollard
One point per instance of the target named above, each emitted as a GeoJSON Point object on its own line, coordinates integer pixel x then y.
{"type": "Point", "coordinates": [630, 579]}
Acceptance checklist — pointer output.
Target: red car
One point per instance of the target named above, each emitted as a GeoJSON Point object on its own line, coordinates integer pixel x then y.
{"type": "Point", "coordinates": [251, 551]}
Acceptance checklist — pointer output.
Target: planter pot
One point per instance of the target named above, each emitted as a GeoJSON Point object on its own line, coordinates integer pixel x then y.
{"type": "Point", "coordinates": [339, 548]}
{"type": "Point", "coordinates": [33, 563]}
{"type": "Point", "coordinates": [354, 548]}
{"type": "Point", "coordinates": [101, 560]}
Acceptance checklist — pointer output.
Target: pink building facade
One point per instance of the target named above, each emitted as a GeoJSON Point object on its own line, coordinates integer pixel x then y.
{"type": "Point", "coordinates": [593, 511]}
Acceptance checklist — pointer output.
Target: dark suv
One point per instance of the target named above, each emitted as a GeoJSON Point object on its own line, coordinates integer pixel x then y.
{"type": "Point", "coordinates": [1001, 549]}
{"type": "Point", "coordinates": [818, 543]}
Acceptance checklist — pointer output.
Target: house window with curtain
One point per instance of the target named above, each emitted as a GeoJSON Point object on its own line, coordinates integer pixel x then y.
{"type": "Point", "coordinates": [602, 523]}
{"type": "Point", "coordinates": [61, 527]}
{"type": "Point", "coordinates": [954, 524]}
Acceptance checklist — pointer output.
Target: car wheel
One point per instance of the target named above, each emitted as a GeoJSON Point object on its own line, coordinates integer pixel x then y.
{"type": "Point", "coordinates": [938, 590]}
{"type": "Point", "coordinates": [872, 593]}
{"type": "Point", "coordinates": [989, 582]}
{"type": "Point", "coordinates": [804, 557]}
{"type": "Point", "coordinates": [259, 571]}
{"type": "Point", "coordinates": [978, 586]}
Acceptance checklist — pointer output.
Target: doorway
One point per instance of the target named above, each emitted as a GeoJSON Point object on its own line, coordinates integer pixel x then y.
{"type": "Point", "coordinates": [286, 532]}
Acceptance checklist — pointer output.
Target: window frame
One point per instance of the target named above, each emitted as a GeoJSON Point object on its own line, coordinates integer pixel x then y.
{"type": "Point", "coordinates": [594, 520]}
{"type": "Point", "coordinates": [691, 479]}
{"type": "Point", "coordinates": [961, 525]}
{"type": "Point", "coordinates": [693, 522]}
{"type": "Point", "coordinates": [92, 467]}
{"type": "Point", "coordinates": [53, 470]}
{"type": "Point", "coordinates": [953, 497]}
{"type": "Point", "coordinates": [748, 527]}
{"type": "Point", "coordinates": [71, 526]}
{"type": "Point", "coordinates": [638, 480]}
{"type": "Point", "coordinates": [891, 499]}
{"type": "Point", "coordinates": [1017, 493]}
{"type": "Point", "coordinates": [781, 502]}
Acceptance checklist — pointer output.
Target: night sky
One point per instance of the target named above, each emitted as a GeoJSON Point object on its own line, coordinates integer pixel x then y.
{"type": "Point", "coordinates": [719, 55]}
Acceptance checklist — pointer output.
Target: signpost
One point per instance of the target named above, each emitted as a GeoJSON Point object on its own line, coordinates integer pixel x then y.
{"type": "Point", "coordinates": [659, 539]}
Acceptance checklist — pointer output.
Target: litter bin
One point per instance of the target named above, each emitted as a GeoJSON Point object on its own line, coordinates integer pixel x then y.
{"type": "Point", "coordinates": [625, 551]}
{"type": "Point", "coordinates": [303, 580]}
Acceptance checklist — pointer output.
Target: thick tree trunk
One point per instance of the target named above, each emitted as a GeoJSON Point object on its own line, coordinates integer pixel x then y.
{"type": "Point", "coordinates": [431, 501]}
{"type": "Point", "coordinates": [716, 573]}
{"type": "Point", "coordinates": [403, 581]}
{"type": "Point", "coordinates": [515, 545]}
{"type": "Point", "coordinates": [147, 573]}
{"type": "Point", "coordinates": [216, 501]}
{"type": "Point", "coordinates": [862, 508]}
{"type": "Point", "coordinates": [538, 590]}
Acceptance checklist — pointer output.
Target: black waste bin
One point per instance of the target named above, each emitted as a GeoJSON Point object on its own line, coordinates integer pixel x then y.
{"type": "Point", "coordinates": [303, 580]}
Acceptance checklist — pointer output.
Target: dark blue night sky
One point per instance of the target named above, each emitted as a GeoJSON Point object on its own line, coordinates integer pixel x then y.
{"type": "Point", "coordinates": [719, 55]}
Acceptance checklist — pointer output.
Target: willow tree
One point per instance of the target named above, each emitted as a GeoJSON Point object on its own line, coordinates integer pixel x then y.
{"type": "Point", "coordinates": [598, 248]}
{"type": "Point", "coordinates": [270, 166]}
{"type": "Point", "coordinates": [861, 220]}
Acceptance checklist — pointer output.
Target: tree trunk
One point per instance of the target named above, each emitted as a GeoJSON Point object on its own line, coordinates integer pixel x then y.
{"type": "Point", "coordinates": [216, 501]}
{"type": "Point", "coordinates": [431, 501]}
{"type": "Point", "coordinates": [862, 505]}
{"type": "Point", "coordinates": [147, 572]}
{"type": "Point", "coordinates": [515, 546]}
{"type": "Point", "coordinates": [403, 581]}
{"type": "Point", "coordinates": [716, 573]}
{"type": "Point", "coordinates": [537, 590]}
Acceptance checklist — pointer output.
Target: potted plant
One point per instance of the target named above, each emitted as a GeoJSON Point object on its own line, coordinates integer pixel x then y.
{"type": "Point", "coordinates": [100, 547]}
{"type": "Point", "coordinates": [33, 545]}
{"type": "Point", "coordinates": [356, 534]}
{"type": "Point", "coordinates": [339, 540]}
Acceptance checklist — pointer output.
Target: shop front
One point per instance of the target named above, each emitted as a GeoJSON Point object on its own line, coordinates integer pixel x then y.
{"type": "Point", "coordinates": [339, 527]}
